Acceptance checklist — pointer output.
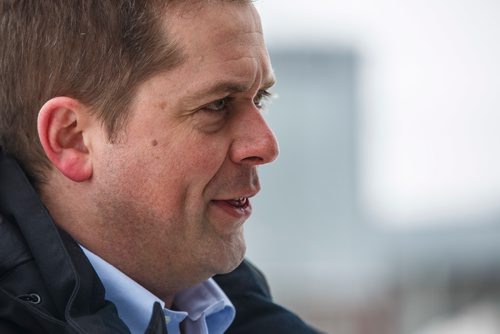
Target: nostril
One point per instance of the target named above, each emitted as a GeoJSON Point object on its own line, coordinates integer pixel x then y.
{"type": "Point", "coordinates": [32, 298]}
{"type": "Point", "coordinates": [254, 159]}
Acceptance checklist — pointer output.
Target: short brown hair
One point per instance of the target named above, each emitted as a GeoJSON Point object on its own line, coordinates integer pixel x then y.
{"type": "Point", "coordinates": [96, 51]}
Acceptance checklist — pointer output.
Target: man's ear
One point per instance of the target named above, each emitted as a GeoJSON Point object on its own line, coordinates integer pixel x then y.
{"type": "Point", "coordinates": [62, 126]}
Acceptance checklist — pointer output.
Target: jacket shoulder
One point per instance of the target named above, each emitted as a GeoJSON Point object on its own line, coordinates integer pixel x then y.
{"type": "Point", "coordinates": [256, 312]}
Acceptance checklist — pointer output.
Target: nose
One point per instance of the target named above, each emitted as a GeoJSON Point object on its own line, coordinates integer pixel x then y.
{"type": "Point", "coordinates": [254, 142]}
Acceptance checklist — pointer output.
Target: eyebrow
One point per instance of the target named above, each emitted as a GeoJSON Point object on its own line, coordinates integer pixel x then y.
{"type": "Point", "coordinates": [226, 88]}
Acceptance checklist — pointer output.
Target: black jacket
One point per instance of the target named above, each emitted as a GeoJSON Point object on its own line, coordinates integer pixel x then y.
{"type": "Point", "coordinates": [47, 285]}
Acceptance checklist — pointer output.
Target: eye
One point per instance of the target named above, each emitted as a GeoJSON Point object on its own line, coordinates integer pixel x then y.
{"type": "Point", "coordinates": [211, 117]}
{"type": "Point", "coordinates": [216, 105]}
{"type": "Point", "coordinates": [261, 97]}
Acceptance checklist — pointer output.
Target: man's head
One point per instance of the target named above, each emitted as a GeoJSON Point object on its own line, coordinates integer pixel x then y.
{"type": "Point", "coordinates": [166, 201]}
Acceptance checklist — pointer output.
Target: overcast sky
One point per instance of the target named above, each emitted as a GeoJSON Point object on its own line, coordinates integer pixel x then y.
{"type": "Point", "coordinates": [430, 75]}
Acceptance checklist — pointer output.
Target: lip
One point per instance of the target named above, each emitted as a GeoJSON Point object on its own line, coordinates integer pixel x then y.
{"type": "Point", "coordinates": [240, 213]}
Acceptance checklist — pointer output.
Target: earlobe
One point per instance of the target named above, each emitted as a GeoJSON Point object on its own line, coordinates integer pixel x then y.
{"type": "Point", "coordinates": [62, 123]}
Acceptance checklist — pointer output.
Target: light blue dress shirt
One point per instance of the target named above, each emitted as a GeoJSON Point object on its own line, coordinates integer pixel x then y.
{"type": "Point", "coordinates": [204, 308]}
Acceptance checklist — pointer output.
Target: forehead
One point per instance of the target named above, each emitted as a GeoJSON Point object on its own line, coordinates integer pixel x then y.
{"type": "Point", "coordinates": [223, 36]}
{"type": "Point", "coordinates": [187, 13]}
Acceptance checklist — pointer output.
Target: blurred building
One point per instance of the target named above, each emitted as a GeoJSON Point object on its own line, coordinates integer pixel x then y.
{"type": "Point", "coordinates": [381, 214]}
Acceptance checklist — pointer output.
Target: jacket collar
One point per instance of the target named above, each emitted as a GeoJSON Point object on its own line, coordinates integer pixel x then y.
{"type": "Point", "coordinates": [69, 279]}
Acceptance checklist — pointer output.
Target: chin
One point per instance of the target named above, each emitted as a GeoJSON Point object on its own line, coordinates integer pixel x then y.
{"type": "Point", "coordinates": [233, 258]}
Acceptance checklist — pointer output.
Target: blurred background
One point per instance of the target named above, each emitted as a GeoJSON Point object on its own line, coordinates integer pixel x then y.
{"type": "Point", "coordinates": [382, 212]}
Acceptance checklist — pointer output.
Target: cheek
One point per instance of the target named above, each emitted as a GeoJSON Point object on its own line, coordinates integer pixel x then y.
{"type": "Point", "coordinates": [173, 177]}
{"type": "Point", "coordinates": [195, 156]}
{"type": "Point", "coordinates": [173, 169]}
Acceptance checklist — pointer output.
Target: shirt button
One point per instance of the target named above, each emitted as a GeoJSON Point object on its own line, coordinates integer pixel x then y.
{"type": "Point", "coordinates": [167, 319]}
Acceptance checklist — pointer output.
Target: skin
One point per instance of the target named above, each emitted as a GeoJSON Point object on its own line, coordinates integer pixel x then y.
{"type": "Point", "coordinates": [155, 203]}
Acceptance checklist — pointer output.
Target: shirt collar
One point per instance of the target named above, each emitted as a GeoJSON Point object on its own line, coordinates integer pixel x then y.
{"type": "Point", "coordinates": [208, 308]}
{"type": "Point", "coordinates": [205, 304]}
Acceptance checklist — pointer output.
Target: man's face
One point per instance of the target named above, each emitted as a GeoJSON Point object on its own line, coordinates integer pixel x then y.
{"type": "Point", "coordinates": [173, 193]}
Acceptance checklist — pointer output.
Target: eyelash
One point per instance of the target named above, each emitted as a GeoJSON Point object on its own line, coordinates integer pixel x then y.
{"type": "Point", "coordinates": [261, 96]}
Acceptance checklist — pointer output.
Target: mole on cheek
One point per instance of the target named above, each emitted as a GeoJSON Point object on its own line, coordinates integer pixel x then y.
{"type": "Point", "coordinates": [154, 142]}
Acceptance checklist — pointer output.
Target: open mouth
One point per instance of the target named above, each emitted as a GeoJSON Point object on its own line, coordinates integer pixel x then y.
{"type": "Point", "coordinates": [239, 203]}
{"type": "Point", "coordinates": [237, 207]}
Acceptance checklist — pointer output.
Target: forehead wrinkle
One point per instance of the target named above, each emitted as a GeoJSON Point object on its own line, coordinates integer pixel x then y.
{"type": "Point", "coordinates": [262, 76]}
{"type": "Point", "coordinates": [244, 40]}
